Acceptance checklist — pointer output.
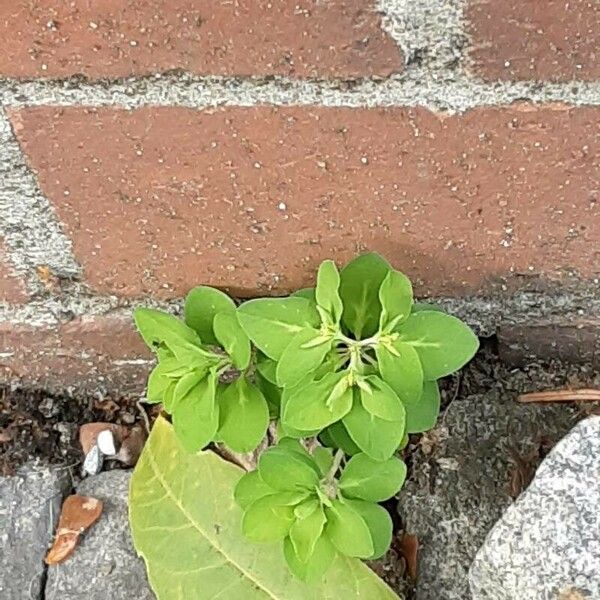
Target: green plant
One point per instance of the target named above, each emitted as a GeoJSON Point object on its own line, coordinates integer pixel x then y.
{"type": "Point", "coordinates": [351, 364]}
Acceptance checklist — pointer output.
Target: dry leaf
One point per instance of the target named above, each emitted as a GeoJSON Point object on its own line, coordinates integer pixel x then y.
{"type": "Point", "coordinates": [409, 548]}
{"type": "Point", "coordinates": [131, 446]}
{"type": "Point", "coordinates": [585, 395]}
{"type": "Point", "coordinates": [78, 513]}
{"type": "Point", "coordinates": [88, 434]}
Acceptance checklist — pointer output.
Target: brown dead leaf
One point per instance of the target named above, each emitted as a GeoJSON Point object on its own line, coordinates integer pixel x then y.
{"type": "Point", "coordinates": [131, 446]}
{"type": "Point", "coordinates": [88, 434]}
{"type": "Point", "coordinates": [78, 513]}
{"type": "Point", "coordinates": [585, 395]}
{"type": "Point", "coordinates": [46, 276]}
{"type": "Point", "coordinates": [409, 548]}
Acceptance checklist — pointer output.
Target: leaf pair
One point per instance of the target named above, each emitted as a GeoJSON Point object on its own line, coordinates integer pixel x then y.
{"type": "Point", "coordinates": [295, 496]}
{"type": "Point", "coordinates": [186, 379]}
{"type": "Point", "coordinates": [212, 314]}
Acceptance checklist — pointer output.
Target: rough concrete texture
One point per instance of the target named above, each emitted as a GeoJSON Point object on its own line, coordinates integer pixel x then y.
{"type": "Point", "coordinates": [104, 564]}
{"type": "Point", "coordinates": [12, 288]}
{"type": "Point", "coordinates": [27, 221]}
{"type": "Point", "coordinates": [547, 544]}
{"type": "Point", "coordinates": [30, 504]}
{"type": "Point", "coordinates": [463, 475]}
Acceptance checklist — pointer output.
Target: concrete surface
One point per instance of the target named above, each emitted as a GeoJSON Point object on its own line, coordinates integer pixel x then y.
{"type": "Point", "coordinates": [547, 544]}
{"type": "Point", "coordinates": [30, 504]}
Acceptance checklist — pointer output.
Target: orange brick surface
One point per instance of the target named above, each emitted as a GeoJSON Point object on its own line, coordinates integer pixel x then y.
{"type": "Point", "coordinates": [112, 38]}
{"type": "Point", "coordinates": [251, 199]}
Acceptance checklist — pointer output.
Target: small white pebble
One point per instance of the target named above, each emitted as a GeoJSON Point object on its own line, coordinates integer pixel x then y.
{"type": "Point", "coordinates": [282, 206]}
{"type": "Point", "coordinates": [106, 443]}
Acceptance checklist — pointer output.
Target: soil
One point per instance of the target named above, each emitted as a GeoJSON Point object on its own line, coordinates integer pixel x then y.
{"type": "Point", "coordinates": [37, 425]}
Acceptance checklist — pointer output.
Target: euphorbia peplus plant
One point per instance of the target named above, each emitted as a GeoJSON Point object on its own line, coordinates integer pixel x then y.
{"type": "Point", "coordinates": [350, 366]}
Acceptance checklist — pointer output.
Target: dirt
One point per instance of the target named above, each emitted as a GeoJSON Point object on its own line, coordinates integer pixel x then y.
{"type": "Point", "coordinates": [34, 424]}
{"type": "Point", "coordinates": [38, 425]}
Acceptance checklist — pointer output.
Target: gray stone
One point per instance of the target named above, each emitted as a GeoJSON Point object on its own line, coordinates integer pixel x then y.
{"type": "Point", "coordinates": [29, 507]}
{"type": "Point", "coordinates": [546, 546]}
{"type": "Point", "coordinates": [104, 565]}
{"type": "Point", "coordinates": [460, 476]}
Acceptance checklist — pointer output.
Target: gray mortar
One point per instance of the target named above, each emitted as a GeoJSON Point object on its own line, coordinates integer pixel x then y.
{"type": "Point", "coordinates": [484, 313]}
{"type": "Point", "coordinates": [29, 226]}
{"type": "Point", "coordinates": [444, 93]}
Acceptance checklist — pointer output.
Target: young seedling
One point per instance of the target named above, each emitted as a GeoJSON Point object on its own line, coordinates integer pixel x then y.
{"type": "Point", "coordinates": [352, 363]}
{"type": "Point", "coordinates": [317, 510]}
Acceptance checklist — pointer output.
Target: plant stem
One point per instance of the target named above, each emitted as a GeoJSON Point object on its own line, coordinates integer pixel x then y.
{"type": "Point", "coordinates": [337, 460]}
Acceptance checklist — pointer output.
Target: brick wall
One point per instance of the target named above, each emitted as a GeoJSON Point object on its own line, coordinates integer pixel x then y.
{"type": "Point", "coordinates": [152, 145]}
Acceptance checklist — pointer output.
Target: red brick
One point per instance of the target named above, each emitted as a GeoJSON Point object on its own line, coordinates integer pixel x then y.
{"type": "Point", "coordinates": [112, 38]}
{"type": "Point", "coordinates": [251, 199]}
{"type": "Point", "coordinates": [553, 40]}
{"type": "Point", "coordinates": [87, 353]}
{"type": "Point", "coordinates": [12, 288]}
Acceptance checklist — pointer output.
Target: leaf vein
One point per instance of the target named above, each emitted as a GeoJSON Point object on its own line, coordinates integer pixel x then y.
{"type": "Point", "coordinates": [188, 516]}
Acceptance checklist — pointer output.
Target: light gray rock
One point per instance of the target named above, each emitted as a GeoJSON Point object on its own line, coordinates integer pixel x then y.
{"type": "Point", "coordinates": [29, 507]}
{"type": "Point", "coordinates": [105, 564]}
{"type": "Point", "coordinates": [460, 477]}
{"type": "Point", "coordinates": [546, 546]}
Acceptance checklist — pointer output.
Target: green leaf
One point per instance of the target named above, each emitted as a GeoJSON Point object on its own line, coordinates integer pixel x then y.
{"type": "Point", "coordinates": [157, 327]}
{"type": "Point", "coordinates": [185, 385]}
{"type": "Point", "coordinates": [301, 357]}
{"type": "Point", "coordinates": [158, 383]}
{"type": "Point", "coordinates": [379, 399]}
{"type": "Point", "coordinates": [250, 488]}
{"type": "Point", "coordinates": [186, 526]}
{"type": "Point", "coordinates": [306, 507]}
{"type": "Point", "coordinates": [337, 436]}
{"type": "Point", "coordinates": [396, 297]}
{"type": "Point", "coordinates": [372, 480]}
{"type": "Point", "coordinates": [196, 415]}
{"type": "Point", "coordinates": [324, 459]}
{"type": "Point", "coordinates": [348, 531]}
{"type": "Point", "coordinates": [308, 293]}
{"type": "Point", "coordinates": [243, 415]}
{"type": "Point", "coordinates": [423, 414]}
{"type": "Point", "coordinates": [374, 436]}
{"type": "Point", "coordinates": [316, 566]}
{"type": "Point", "coordinates": [305, 532]}
{"type": "Point", "coordinates": [271, 393]}
{"type": "Point", "coordinates": [360, 281]}
{"type": "Point", "coordinates": [327, 291]}
{"type": "Point", "coordinates": [268, 519]}
{"type": "Point", "coordinates": [271, 323]}
{"type": "Point", "coordinates": [168, 397]}
{"type": "Point", "coordinates": [400, 367]}
{"type": "Point", "coordinates": [421, 306]}
{"type": "Point", "coordinates": [202, 304]}
{"type": "Point", "coordinates": [267, 367]}
{"type": "Point", "coordinates": [233, 338]}
{"type": "Point", "coordinates": [444, 343]}
{"type": "Point", "coordinates": [293, 445]}
{"type": "Point", "coordinates": [379, 522]}
{"type": "Point", "coordinates": [318, 404]}
{"type": "Point", "coordinates": [286, 471]}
